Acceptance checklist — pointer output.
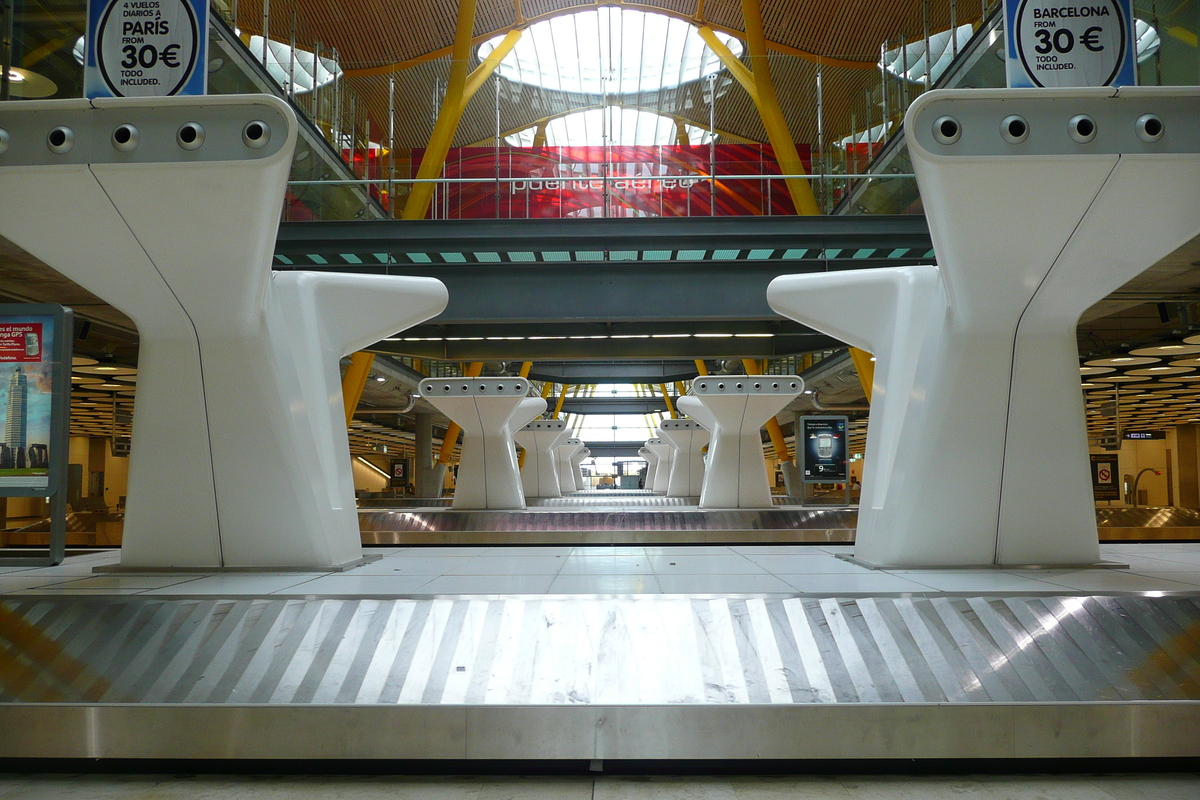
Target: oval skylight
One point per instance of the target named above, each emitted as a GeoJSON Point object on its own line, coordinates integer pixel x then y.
{"type": "Point", "coordinates": [614, 126]}
{"type": "Point", "coordinates": [609, 50]}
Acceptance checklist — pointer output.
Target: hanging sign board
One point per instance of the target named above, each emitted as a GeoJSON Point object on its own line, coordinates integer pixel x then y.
{"type": "Point", "coordinates": [1104, 476]}
{"type": "Point", "coordinates": [1063, 43]}
{"type": "Point", "coordinates": [823, 445]}
{"type": "Point", "coordinates": [146, 48]}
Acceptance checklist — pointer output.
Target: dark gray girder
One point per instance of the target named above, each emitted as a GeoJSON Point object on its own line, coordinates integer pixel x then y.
{"type": "Point", "coordinates": [613, 405]}
{"type": "Point", "coordinates": [658, 233]}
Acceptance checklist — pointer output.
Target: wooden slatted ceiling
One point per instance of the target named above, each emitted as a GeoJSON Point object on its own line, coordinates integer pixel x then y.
{"type": "Point", "coordinates": [373, 33]}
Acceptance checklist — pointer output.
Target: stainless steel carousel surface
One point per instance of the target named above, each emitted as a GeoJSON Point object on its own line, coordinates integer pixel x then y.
{"type": "Point", "coordinates": [601, 677]}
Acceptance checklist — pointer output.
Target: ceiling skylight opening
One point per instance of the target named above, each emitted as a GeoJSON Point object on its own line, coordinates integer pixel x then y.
{"type": "Point", "coordinates": [909, 61]}
{"type": "Point", "coordinates": [310, 72]}
{"type": "Point", "coordinates": [611, 51]}
{"type": "Point", "coordinates": [615, 126]}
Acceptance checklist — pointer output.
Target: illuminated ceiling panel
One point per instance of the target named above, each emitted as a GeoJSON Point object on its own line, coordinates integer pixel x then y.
{"type": "Point", "coordinates": [615, 51]}
{"type": "Point", "coordinates": [613, 126]}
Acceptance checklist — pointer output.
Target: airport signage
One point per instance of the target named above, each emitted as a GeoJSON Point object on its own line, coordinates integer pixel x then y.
{"type": "Point", "coordinates": [1105, 483]}
{"type": "Point", "coordinates": [35, 388]}
{"type": "Point", "coordinates": [823, 446]}
{"type": "Point", "coordinates": [146, 48]}
{"type": "Point", "coordinates": [1141, 435]}
{"type": "Point", "coordinates": [1066, 43]}
{"type": "Point", "coordinates": [399, 472]}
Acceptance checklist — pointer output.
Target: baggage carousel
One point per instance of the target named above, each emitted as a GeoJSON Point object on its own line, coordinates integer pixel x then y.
{"type": "Point", "coordinates": [611, 517]}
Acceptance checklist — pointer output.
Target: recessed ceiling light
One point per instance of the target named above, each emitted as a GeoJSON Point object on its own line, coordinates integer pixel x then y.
{"type": "Point", "coordinates": [1122, 361]}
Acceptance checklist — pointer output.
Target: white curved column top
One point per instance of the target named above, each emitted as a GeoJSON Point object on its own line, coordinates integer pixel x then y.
{"type": "Point", "coordinates": [651, 466]}
{"type": "Point", "coordinates": [664, 451]}
{"type": "Point", "coordinates": [976, 378]}
{"type": "Point", "coordinates": [576, 468]}
{"type": "Point", "coordinates": [688, 439]}
{"type": "Point", "coordinates": [738, 406]}
{"type": "Point", "coordinates": [486, 409]}
{"type": "Point", "coordinates": [564, 455]}
{"type": "Point", "coordinates": [234, 358]}
{"type": "Point", "coordinates": [541, 438]}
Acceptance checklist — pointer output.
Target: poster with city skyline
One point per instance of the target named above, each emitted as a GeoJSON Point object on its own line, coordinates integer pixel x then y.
{"type": "Point", "coordinates": [26, 392]}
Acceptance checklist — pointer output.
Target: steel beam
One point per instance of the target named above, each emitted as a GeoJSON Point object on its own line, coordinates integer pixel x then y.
{"type": "Point", "coordinates": [542, 236]}
{"type": "Point", "coordinates": [614, 405]}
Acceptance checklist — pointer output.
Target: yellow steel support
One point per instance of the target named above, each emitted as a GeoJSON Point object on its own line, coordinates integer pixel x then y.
{"type": "Point", "coordinates": [354, 381]}
{"type": "Point", "coordinates": [701, 367]}
{"type": "Point", "coordinates": [773, 430]}
{"type": "Point", "coordinates": [667, 398]}
{"type": "Point", "coordinates": [547, 388]}
{"type": "Point", "coordinates": [807, 362]}
{"type": "Point", "coordinates": [681, 134]}
{"type": "Point", "coordinates": [419, 365]}
{"type": "Point", "coordinates": [558, 406]}
{"type": "Point", "coordinates": [757, 81]}
{"type": "Point", "coordinates": [679, 390]}
{"type": "Point", "coordinates": [459, 89]}
{"type": "Point", "coordinates": [525, 367]}
{"type": "Point", "coordinates": [452, 432]}
{"type": "Point", "coordinates": [866, 369]}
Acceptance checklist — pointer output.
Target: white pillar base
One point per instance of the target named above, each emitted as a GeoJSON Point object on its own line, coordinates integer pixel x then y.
{"type": "Point", "coordinates": [737, 406]}
{"type": "Point", "coordinates": [664, 452]}
{"type": "Point", "coordinates": [688, 438]}
{"type": "Point", "coordinates": [485, 408]}
{"type": "Point", "coordinates": [541, 438]}
{"type": "Point", "coordinates": [564, 456]}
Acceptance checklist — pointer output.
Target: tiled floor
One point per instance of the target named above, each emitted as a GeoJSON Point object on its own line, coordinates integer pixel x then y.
{"type": "Point", "coordinates": [766, 569]}
{"type": "Point", "coordinates": [890, 787]}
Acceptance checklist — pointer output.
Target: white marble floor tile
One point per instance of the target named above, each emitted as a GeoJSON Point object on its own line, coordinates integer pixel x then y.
{"type": "Point", "coordinates": [722, 584]}
{"type": "Point", "coordinates": [413, 564]}
{"type": "Point", "coordinates": [120, 581]}
{"type": "Point", "coordinates": [530, 550]}
{"type": "Point", "coordinates": [732, 564]}
{"type": "Point", "coordinates": [1107, 580]}
{"type": "Point", "coordinates": [822, 563]}
{"type": "Point", "coordinates": [645, 583]}
{"type": "Point", "coordinates": [751, 550]}
{"type": "Point", "coordinates": [236, 583]}
{"type": "Point", "coordinates": [983, 580]}
{"type": "Point", "coordinates": [690, 550]}
{"type": "Point", "coordinates": [488, 584]}
{"type": "Point", "coordinates": [1192, 578]}
{"type": "Point", "coordinates": [591, 551]}
{"type": "Point", "coordinates": [607, 565]}
{"type": "Point", "coordinates": [511, 565]}
{"type": "Point", "coordinates": [351, 584]}
{"type": "Point", "coordinates": [867, 583]}
{"type": "Point", "coordinates": [9, 584]}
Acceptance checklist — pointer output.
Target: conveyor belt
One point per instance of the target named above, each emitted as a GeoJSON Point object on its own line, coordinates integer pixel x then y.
{"type": "Point", "coordinates": [572, 650]}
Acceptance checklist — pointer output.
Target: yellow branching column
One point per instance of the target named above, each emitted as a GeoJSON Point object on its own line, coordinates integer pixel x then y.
{"type": "Point", "coordinates": [354, 381]}
{"type": "Point", "coordinates": [460, 88]}
{"type": "Point", "coordinates": [866, 369]}
{"type": "Point", "coordinates": [757, 82]}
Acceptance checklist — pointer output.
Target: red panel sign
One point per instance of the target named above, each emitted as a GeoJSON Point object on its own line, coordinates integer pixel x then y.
{"type": "Point", "coordinates": [20, 341]}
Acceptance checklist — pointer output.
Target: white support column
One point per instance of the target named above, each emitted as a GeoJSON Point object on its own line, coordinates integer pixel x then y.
{"type": "Point", "coordinates": [541, 438]}
{"type": "Point", "coordinates": [1040, 203]}
{"type": "Point", "coordinates": [664, 451]}
{"type": "Point", "coordinates": [239, 452]}
{"type": "Point", "coordinates": [651, 466]}
{"type": "Point", "coordinates": [576, 468]}
{"type": "Point", "coordinates": [487, 409]}
{"type": "Point", "coordinates": [688, 438]}
{"type": "Point", "coordinates": [564, 455]}
{"type": "Point", "coordinates": [738, 406]}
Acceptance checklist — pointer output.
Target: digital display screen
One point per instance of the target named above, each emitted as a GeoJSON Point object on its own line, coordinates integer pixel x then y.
{"type": "Point", "coordinates": [823, 444]}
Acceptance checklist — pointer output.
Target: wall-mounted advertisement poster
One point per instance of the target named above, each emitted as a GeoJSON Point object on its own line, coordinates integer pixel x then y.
{"type": "Point", "coordinates": [35, 387]}
{"type": "Point", "coordinates": [823, 444]}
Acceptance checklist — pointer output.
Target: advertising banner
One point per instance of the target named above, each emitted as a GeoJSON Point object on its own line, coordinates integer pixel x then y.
{"type": "Point", "coordinates": [649, 181]}
{"type": "Point", "coordinates": [823, 445]}
{"type": "Point", "coordinates": [1067, 43]}
{"type": "Point", "coordinates": [1105, 478]}
{"type": "Point", "coordinates": [146, 48]}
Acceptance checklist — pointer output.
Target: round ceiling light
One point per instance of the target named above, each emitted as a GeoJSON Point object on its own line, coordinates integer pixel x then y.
{"type": "Point", "coordinates": [1167, 350]}
{"type": "Point", "coordinates": [1096, 370]}
{"type": "Point", "coordinates": [1117, 379]}
{"type": "Point", "coordinates": [83, 361]}
{"type": "Point", "coordinates": [1122, 361]}
{"type": "Point", "coordinates": [1154, 372]}
{"type": "Point", "coordinates": [85, 380]}
{"type": "Point", "coordinates": [105, 370]}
